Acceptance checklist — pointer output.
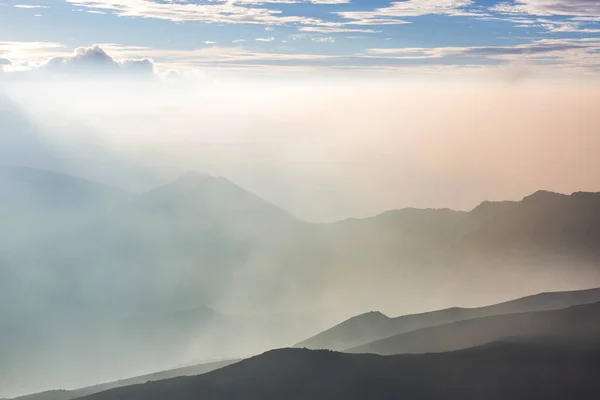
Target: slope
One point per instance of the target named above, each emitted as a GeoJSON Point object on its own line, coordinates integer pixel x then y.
{"type": "Point", "coordinates": [373, 326]}
{"type": "Point", "coordinates": [501, 371]}
{"type": "Point", "coordinates": [72, 394]}
{"type": "Point", "coordinates": [577, 322]}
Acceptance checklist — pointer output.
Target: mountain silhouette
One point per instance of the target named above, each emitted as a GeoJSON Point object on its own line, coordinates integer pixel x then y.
{"type": "Point", "coordinates": [177, 372]}
{"type": "Point", "coordinates": [506, 370]}
{"type": "Point", "coordinates": [573, 323]}
{"type": "Point", "coordinates": [373, 326]}
{"type": "Point", "coordinates": [131, 263]}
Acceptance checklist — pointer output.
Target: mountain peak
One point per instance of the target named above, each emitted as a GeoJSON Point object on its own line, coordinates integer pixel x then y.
{"type": "Point", "coordinates": [193, 177]}
{"type": "Point", "coordinates": [373, 315]}
{"type": "Point", "coordinates": [193, 180]}
{"type": "Point", "coordinates": [544, 195]}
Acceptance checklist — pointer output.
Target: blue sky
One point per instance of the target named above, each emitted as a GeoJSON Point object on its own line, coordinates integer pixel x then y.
{"type": "Point", "coordinates": [308, 35]}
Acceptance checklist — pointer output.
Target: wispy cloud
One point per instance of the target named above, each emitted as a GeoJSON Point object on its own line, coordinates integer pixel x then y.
{"type": "Point", "coordinates": [218, 11]}
{"type": "Point", "coordinates": [394, 13]}
{"type": "Point", "coordinates": [29, 6]}
{"type": "Point", "coordinates": [584, 8]}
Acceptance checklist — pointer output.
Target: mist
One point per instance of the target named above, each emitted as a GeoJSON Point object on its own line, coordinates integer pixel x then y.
{"type": "Point", "coordinates": [149, 266]}
{"type": "Point", "coordinates": [323, 151]}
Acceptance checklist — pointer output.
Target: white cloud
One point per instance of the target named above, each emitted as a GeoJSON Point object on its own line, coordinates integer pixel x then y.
{"type": "Point", "coordinates": [217, 11]}
{"type": "Point", "coordinates": [393, 13]}
{"type": "Point", "coordinates": [28, 6]}
{"type": "Point", "coordinates": [325, 29]}
{"type": "Point", "coordinates": [582, 8]}
{"type": "Point", "coordinates": [53, 59]}
{"type": "Point", "coordinates": [30, 52]}
{"type": "Point", "coordinates": [94, 60]}
{"type": "Point", "coordinates": [323, 39]}
{"type": "Point", "coordinates": [574, 56]}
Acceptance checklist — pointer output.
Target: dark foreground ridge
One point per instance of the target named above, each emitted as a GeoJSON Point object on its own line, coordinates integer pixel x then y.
{"type": "Point", "coordinates": [529, 370]}
{"type": "Point", "coordinates": [168, 374]}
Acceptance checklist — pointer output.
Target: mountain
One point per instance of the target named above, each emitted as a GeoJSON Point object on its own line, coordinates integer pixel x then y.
{"type": "Point", "coordinates": [545, 242]}
{"type": "Point", "coordinates": [136, 287]}
{"type": "Point", "coordinates": [373, 326]}
{"type": "Point", "coordinates": [73, 394]}
{"type": "Point", "coordinates": [572, 323]}
{"type": "Point", "coordinates": [34, 202]}
{"type": "Point", "coordinates": [35, 189]}
{"type": "Point", "coordinates": [506, 370]}
{"type": "Point", "coordinates": [202, 238]}
{"type": "Point", "coordinates": [201, 268]}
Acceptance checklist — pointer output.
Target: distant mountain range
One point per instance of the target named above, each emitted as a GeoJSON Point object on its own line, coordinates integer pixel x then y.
{"type": "Point", "coordinates": [111, 284]}
{"type": "Point", "coordinates": [374, 326]}
{"type": "Point", "coordinates": [538, 369]}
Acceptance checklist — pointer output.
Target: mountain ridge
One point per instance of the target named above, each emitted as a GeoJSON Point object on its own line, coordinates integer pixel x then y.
{"type": "Point", "coordinates": [203, 241]}
{"type": "Point", "coordinates": [343, 335]}
{"type": "Point", "coordinates": [571, 323]}
{"type": "Point", "coordinates": [528, 372]}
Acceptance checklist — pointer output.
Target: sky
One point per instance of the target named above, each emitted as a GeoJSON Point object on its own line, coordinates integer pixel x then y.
{"type": "Point", "coordinates": [266, 37]}
{"type": "Point", "coordinates": [328, 108]}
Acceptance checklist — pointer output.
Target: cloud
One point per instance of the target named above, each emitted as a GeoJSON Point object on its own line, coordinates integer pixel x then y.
{"type": "Point", "coordinates": [326, 29]}
{"type": "Point", "coordinates": [574, 57]}
{"type": "Point", "coordinates": [323, 39]}
{"type": "Point", "coordinates": [94, 60]}
{"type": "Point", "coordinates": [30, 51]}
{"type": "Point", "coordinates": [28, 6]}
{"type": "Point", "coordinates": [583, 8]}
{"type": "Point", "coordinates": [5, 61]}
{"type": "Point", "coordinates": [571, 56]}
{"type": "Point", "coordinates": [391, 14]}
{"type": "Point", "coordinates": [541, 47]}
{"type": "Point", "coordinates": [216, 11]}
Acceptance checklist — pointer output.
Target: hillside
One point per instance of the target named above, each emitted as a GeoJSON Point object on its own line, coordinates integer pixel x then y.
{"type": "Point", "coordinates": [132, 289]}
{"type": "Point", "coordinates": [507, 370]}
{"type": "Point", "coordinates": [373, 326]}
{"type": "Point", "coordinates": [573, 323]}
{"type": "Point", "coordinates": [35, 203]}
{"type": "Point", "coordinates": [72, 394]}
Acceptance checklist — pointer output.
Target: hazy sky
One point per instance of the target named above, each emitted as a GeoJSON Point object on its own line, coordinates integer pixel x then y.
{"type": "Point", "coordinates": [321, 150]}
{"type": "Point", "coordinates": [329, 108]}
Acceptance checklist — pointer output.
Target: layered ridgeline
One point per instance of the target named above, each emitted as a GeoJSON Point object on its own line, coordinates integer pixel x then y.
{"type": "Point", "coordinates": [570, 324]}
{"type": "Point", "coordinates": [374, 326]}
{"type": "Point", "coordinates": [203, 269]}
{"type": "Point", "coordinates": [537, 369]}
{"type": "Point", "coordinates": [545, 355]}
{"type": "Point", "coordinates": [564, 326]}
